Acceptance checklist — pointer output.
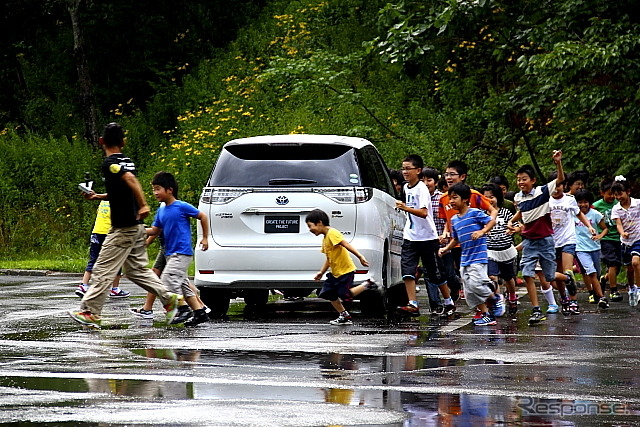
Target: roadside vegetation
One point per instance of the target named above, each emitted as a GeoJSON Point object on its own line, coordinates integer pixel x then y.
{"type": "Point", "coordinates": [497, 84]}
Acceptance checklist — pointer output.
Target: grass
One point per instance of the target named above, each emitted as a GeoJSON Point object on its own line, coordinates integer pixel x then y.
{"type": "Point", "coordinates": [73, 261]}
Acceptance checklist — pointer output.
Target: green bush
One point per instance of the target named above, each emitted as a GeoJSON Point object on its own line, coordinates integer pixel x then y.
{"type": "Point", "coordinates": [42, 209]}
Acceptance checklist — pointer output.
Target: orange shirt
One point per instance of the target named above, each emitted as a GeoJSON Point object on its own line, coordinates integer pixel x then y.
{"type": "Point", "coordinates": [477, 200]}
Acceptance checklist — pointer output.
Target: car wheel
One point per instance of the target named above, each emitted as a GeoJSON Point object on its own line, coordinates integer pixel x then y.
{"type": "Point", "coordinates": [217, 300]}
{"type": "Point", "coordinates": [396, 297]}
{"type": "Point", "coordinates": [373, 303]}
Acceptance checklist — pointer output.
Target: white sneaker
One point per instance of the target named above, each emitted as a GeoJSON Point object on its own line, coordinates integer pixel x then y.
{"type": "Point", "coordinates": [633, 296]}
{"type": "Point", "coordinates": [342, 320]}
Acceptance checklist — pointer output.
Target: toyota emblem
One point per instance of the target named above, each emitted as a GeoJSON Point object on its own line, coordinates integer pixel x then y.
{"type": "Point", "coordinates": [282, 200]}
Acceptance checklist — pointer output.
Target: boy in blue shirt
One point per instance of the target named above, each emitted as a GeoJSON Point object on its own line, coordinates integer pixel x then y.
{"type": "Point", "coordinates": [172, 220]}
{"type": "Point", "coordinates": [469, 228]}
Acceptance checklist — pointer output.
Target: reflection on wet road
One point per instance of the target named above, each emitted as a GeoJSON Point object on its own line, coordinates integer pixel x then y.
{"type": "Point", "coordinates": [294, 369]}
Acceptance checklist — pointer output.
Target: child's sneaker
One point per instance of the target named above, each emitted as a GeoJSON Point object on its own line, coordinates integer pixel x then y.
{"type": "Point", "coordinates": [615, 296]}
{"type": "Point", "coordinates": [410, 309]}
{"type": "Point", "coordinates": [571, 283]}
{"type": "Point", "coordinates": [184, 314]}
{"type": "Point", "coordinates": [573, 307]}
{"type": "Point", "coordinates": [553, 309]}
{"type": "Point", "coordinates": [85, 318]}
{"type": "Point", "coordinates": [141, 312]}
{"type": "Point", "coordinates": [634, 296]}
{"type": "Point", "coordinates": [603, 303]}
{"type": "Point", "coordinates": [171, 307]}
{"type": "Point", "coordinates": [372, 286]}
{"type": "Point", "coordinates": [119, 293]}
{"type": "Point", "coordinates": [81, 290]}
{"type": "Point", "coordinates": [536, 317]}
{"type": "Point", "coordinates": [199, 316]}
{"type": "Point", "coordinates": [448, 310]}
{"type": "Point", "coordinates": [513, 307]}
{"type": "Point", "coordinates": [592, 299]}
{"type": "Point", "coordinates": [485, 320]}
{"type": "Point", "coordinates": [342, 320]}
{"type": "Point", "coordinates": [564, 301]}
{"type": "Point", "coordinates": [498, 308]}
{"type": "Point", "coordinates": [437, 310]}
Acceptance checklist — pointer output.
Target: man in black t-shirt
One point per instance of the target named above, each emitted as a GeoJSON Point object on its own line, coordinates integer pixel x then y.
{"type": "Point", "coordinates": [124, 246]}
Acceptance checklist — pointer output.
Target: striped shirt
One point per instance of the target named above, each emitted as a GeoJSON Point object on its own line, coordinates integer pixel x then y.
{"type": "Point", "coordinates": [535, 211]}
{"type": "Point", "coordinates": [473, 251]}
{"type": "Point", "coordinates": [498, 239]}
{"type": "Point", "coordinates": [630, 219]}
{"type": "Point", "coordinates": [435, 206]}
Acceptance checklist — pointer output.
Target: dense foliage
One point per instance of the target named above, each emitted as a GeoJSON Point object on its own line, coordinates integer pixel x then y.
{"type": "Point", "coordinates": [494, 83]}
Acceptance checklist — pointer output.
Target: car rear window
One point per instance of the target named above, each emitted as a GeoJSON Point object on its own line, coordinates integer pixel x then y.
{"type": "Point", "coordinates": [286, 165]}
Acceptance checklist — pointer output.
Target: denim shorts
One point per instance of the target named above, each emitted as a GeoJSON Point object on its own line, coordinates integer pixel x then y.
{"type": "Point", "coordinates": [566, 249]}
{"type": "Point", "coordinates": [539, 250]}
{"type": "Point", "coordinates": [589, 262]}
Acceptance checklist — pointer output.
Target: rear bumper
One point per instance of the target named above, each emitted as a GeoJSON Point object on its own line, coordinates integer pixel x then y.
{"type": "Point", "coordinates": [270, 268]}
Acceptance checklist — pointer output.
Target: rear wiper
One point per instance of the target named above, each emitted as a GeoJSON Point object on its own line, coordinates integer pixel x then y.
{"type": "Point", "coordinates": [289, 181]}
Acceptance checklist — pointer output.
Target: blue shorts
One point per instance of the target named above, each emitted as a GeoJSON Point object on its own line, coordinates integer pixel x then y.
{"type": "Point", "coordinates": [539, 250]}
{"type": "Point", "coordinates": [566, 249]}
{"type": "Point", "coordinates": [628, 252]}
{"type": "Point", "coordinates": [589, 262]}
{"type": "Point", "coordinates": [337, 287]}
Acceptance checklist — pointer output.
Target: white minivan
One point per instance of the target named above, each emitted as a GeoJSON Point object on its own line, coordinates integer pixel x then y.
{"type": "Point", "coordinates": [257, 198]}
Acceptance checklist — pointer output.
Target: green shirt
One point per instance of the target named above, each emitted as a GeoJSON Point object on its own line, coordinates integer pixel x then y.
{"type": "Point", "coordinates": [605, 209]}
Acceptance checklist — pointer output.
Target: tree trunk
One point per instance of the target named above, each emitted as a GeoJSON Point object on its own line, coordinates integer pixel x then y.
{"type": "Point", "coordinates": [84, 79]}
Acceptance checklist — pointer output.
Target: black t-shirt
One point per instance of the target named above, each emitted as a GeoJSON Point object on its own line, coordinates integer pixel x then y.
{"type": "Point", "coordinates": [124, 208]}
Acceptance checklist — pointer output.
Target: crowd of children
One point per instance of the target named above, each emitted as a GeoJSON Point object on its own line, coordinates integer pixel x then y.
{"type": "Point", "coordinates": [483, 238]}
{"type": "Point", "coordinates": [459, 238]}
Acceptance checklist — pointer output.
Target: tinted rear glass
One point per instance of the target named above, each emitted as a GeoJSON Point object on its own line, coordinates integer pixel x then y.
{"type": "Point", "coordinates": [305, 165]}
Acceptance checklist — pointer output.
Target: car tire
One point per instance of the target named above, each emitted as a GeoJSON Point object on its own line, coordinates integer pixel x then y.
{"type": "Point", "coordinates": [217, 300]}
{"type": "Point", "coordinates": [374, 303]}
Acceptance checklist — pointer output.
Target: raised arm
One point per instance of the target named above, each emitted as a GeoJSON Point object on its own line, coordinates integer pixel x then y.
{"type": "Point", "coordinates": [557, 159]}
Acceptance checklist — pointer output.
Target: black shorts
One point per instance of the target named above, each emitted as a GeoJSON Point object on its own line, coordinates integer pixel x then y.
{"type": "Point", "coordinates": [611, 251]}
{"type": "Point", "coordinates": [160, 261]}
{"type": "Point", "coordinates": [427, 251]}
{"type": "Point", "coordinates": [504, 270]}
{"type": "Point", "coordinates": [337, 287]}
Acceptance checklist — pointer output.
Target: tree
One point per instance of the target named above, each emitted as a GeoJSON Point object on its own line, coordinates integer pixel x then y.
{"type": "Point", "coordinates": [530, 75]}
{"type": "Point", "coordinates": [86, 99]}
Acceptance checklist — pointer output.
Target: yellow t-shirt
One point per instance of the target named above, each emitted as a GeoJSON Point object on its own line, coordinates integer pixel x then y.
{"type": "Point", "coordinates": [340, 261]}
{"type": "Point", "coordinates": [103, 218]}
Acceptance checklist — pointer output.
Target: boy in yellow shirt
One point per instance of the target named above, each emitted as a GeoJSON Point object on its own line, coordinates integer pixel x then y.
{"type": "Point", "coordinates": [338, 286]}
{"type": "Point", "coordinates": [100, 230]}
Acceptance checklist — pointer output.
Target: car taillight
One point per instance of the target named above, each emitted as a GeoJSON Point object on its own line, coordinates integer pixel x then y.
{"type": "Point", "coordinates": [346, 195]}
{"type": "Point", "coordinates": [220, 196]}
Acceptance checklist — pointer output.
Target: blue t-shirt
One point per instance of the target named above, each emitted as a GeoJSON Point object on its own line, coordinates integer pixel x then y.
{"type": "Point", "coordinates": [173, 219]}
{"type": "Point", "coordinates": [584, 243]}
{"type": "Point", "coordinates": [473, 251]}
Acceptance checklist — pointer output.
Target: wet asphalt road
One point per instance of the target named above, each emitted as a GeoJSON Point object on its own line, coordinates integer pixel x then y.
{"type": "Point", "coordinates": [293, 369]}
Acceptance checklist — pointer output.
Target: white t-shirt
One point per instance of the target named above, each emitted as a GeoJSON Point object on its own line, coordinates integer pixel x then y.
{"type": "Point", "coordinates": [416, 228]}
{"type": "Point", "coordinates": [563, 212]}
{"type": "Point", "coordinates": [630, 219]}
